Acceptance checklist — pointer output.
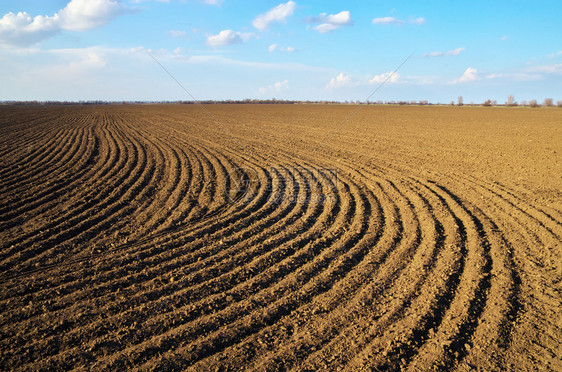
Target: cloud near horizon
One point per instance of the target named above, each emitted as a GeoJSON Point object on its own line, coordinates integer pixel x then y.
{"type": "Point", "coordinates": [470, 74]}
{"type": "Point", "coordinates": [345, 80]}
{"type": "Point", "coordinates": [277, 87]}
{"type": "Point", "coordinates": [22, 29]}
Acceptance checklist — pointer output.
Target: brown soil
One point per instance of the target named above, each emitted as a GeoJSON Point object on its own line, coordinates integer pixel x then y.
{"type": "Point", "coordinates": [285, 237]}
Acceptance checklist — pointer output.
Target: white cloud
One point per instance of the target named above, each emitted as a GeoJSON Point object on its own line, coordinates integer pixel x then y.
{"type": "Point", "coordinates": [331, 22]}
{"type": "Point", "coordinates": [277, 14]}
{"type": "Point", "coordinates": [504, 38]}
{"type": "Point", "coordinates": [326, 27]}
{"type": "Point", "coordinates": [22, 29]}
{"type": "Point", "coordinates": [78, 15]}
{"type": "Point", "coordinates": [386, 77]}
{"type": "Point", "coordinates": [340, 81]}
{"type": "Point", "coordinates": [392, 20]}
{"type": "Point", "coordinates": [345, 80]}
{"type": "Point", "coordinates": [454, 52]}
{"type": "Point", "coordinates": [274, 47]}
{"type": "Point", "coordinates": [177, 33]}
{"type": "Point", "coordinates": [277, 87]}
{"type": "Point", "coordinates": [386, 21]}
{"type": "Point", "coordinates": [227, 37]}
{"type": "Point", "coordinates": [470, 74]}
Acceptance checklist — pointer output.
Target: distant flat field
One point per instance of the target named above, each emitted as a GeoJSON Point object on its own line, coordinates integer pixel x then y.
{"type": "Point", "coordinates": [279, 237]}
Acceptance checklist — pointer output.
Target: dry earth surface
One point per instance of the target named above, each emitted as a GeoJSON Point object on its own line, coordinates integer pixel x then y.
{"type": "Point", "coordinates": [280, 237]}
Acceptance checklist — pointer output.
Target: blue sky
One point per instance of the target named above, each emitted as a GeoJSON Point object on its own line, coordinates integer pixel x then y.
{"type": "Point", "coordinates": [303, 49]}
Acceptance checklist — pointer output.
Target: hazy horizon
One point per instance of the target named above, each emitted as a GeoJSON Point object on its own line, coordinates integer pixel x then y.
{"type": "Point", "coordinates": [304, 50]}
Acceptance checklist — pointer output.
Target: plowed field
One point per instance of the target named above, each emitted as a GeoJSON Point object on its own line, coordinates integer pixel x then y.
{"type": "Point", "coordinates": [280, 237]}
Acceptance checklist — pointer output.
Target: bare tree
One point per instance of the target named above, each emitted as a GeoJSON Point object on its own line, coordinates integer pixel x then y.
{"type": "Point", "coordinates": [548, 102]}
{"type": "Point", "coordinates": [533, 103]}
{"type": "Point", "coordinates": [510, 100]}
{"type": "Point", "coordinates": [460, 101]}
{"type": "Point", "coordinates": [559, 103]}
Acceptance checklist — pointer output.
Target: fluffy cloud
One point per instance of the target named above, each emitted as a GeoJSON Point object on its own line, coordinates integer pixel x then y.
{"type": "Point", "coordinates": [470, 74]}
{"type": "Point", "coordinates": [227, 37]}
{"type": "Point", "coordinates": [344, 80]}
{"type": "Point", "coordinates": [454, 52]}
{"type": "Point", "coordinates": [273, 47]}
{"type": "Point", "coordinates": [331, 22]}
{"type": "Point", "coordinates": [78, 15]}
{"type": "Point", "coordinates": [340, 81]}
{"type": "Point", "coordinates": [277, 14]}
{"type": "Point", "coordinates": [386, 77]}
{"type": "Point", "coordinates": [277, 87]}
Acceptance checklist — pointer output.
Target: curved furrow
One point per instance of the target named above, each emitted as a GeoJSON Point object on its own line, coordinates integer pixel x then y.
{"type": "Point", "coordinates": [413, 242]}
{"type": "Point", "coordinates": [145, 195]}
{"type": "Point", "coordinates": [339, 254]}
{"type": "Point", "coordinates": [104, 168]}
{"type": "Point", "coordinates": [529, 250]}
{"type": "Point", "coordinates": [314, 323]}
{"type": "Point", "coordinates": [32, 170]}
{"type": "Point", "coordinates": [167, 255]}
{"type": "Point", "coordinates": [450, 339]}
{"type": "Point", "coordinates": [143, 237]}
{"type": "Point", "coordinates": [103, 320]}
{"type": "Point", "coordinates": [37, 161]}
{"type": "Point", "coordinates": [59, 182]}
{"type": "Point", "coordinates": [81, 227]}
{"type": "Point", "coordinates": [31, 147]}
{"type": "Point", "coordinates": [387, 285]}
{"type": "Point", "coordinates": [164, 259]}
{"type": "Point", "coordinates": [420, 291]}
{"type": "Point", "coordinates": [204, 229]}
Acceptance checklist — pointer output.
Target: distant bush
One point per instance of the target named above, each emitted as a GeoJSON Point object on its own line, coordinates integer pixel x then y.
{"type": "Point", "coordinates": [533, 103]}
{"type": "Point", "coordinates": [548, 102]}
{"type": "Point", "coordinates": [487, 103]}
